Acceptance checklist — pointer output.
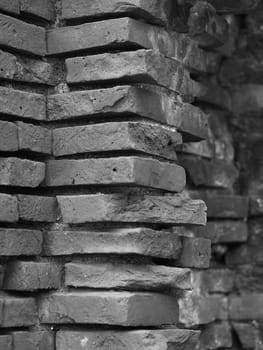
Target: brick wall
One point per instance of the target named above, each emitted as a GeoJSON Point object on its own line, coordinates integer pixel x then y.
{"type": "Point", "coordinates": [118, 120]}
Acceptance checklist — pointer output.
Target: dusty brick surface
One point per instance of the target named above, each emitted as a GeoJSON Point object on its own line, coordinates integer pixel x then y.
{"type": "Point", "coordinates": [41, 8]}
{"type": "Point", "coordinates": [109, 308]}
{"type": "Point", "coordinates": [34, 138]}
{"type": "Point", "coordinates": [8, 137]}
{"type": "Point", "coordinates": [42, 340]}
{"type": "Point", "coordinates": [17, 312]}
{"type": "Point", "coordinates": [11, 6]}
{"type": "Point", "coordinates": [6, 342]}
{"type": "Point", "coordinates": [37, 208]}
{"type": "Point", "coordinates": [8, 208]}
{"type": "Point", "coordinates": [196, 252]}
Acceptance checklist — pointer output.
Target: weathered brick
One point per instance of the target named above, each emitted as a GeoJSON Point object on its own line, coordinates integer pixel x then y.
{"type": "Point", "coordinates": [141, 66]}
{"type": "Point", "coordinates": [37, 208]}
{"type": "Point", "coordinates": [139, 241]}
{"type": "Point", "coordinates": [226, 231]}
{"type": "Point", "coordinates": [42, 340]}
{"type": "Point", "coordinates": [30, 276]}
{"type": "Point", "coordinates": [8, 208]}
{"type": "Point", "coordinates": [246, 307]}
{"type": "Point", "coordinates": [157, 11]}
{"type": "Point", "coordinates": [34, 138]}
{"type": "Point", "coordinates": [20, 35]}
{"type": "Point", "coordinates": [8, 137]}
{"type": "Point", "coordinates": [17, 312]}
{"type": "Point", "coordinates": [113, 171]}
{"type": "Point", "coordinates": [20, 242]}
{"type": "Point", "coordinates": [109, 308]}
{"type": "Point", "coordinates": [246, 334]}
{"type": "Point", "coordinates": [247, 99]}
{"type": "Point", "coordinates": [115, 136]}
{"type": "Point", "coordinates": [6, 342]}
{"type": "Point", "coordinates": [216, 335]}
{"type": "Point", "coordinates": [196, 252]}
{"type": "Point", "coordinates": [130, 277]}
{"type": "Point", "coordinates": [22, 104]}
{"type": "Point", "coordinates": [11, 6]}
{"type": "Point", "coordinates": [41, 8]}
{"type": "Point", "coordinates": [138, 208]}
{"type": "Point", "coordinates": [131, 100]}
{"type": "Point", "coordinates": [21, 172]}
{"type": "Point", "coordinates": [214, 280]}
{"type": "Point", "coordinates": [204, 149]}
{"type": "Point", "coordinates": [196, 309]}
{"type": "Point", "coordinates": [25, 69]}
{"type": "Point", "coordinates": [137, 340]}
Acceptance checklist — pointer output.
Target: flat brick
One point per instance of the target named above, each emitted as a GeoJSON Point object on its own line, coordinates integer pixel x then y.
{"type": "Point", "coordinates": [11, 6]}
{"type": "Point", "coordinates": [246, 307]}
{"type": "Point", "coordinates": [130, 277]}
{"type": "Point", "coordinates": [131, 100]}
{"type": "Point", "coordinates": [42, 8]}
{"type": "Point", "coordinates": [216, 335]}
{"type": "Point", "coordinates": [20, 242]}
{"type": "Point", "coordinates": [30, 276]}
{"type": "Point", "coordinates": [196, 309]}
{"type": "Point", "coordinates": [8, 137]}
{"type": "Point", "coordinates": [126, 136]}
{"type": "Point", "coordinates": [22, 104]}
{"type": "Point", "coordinates": [17, 312]}
{"type": "Point", "coordinates": [226, 231]}
{"type": "Point", "coordinates": [109, 308]}
{"type": "Point", "coordinates": [159, 244]}
{"type": "Point", "coordinates": [246, 334]}
{"type": "Point", "coordinates": [116, 171]}
{"type": "Point", "coordinates": [196, 252]}
{"type": "Point", "coordinates": [141, 66]}
{"type": "Point", "coordinates": [19, 35]}
{"type": "Point", "coordinates": [247, 99]}
{"type": "Point", "coordinates": [21, 172]}
{"type": "Point", "coordinates": [8, 208]}
{"type": "Point", "coordinates": [37, 208]}
{"type": "Point", "coordinates": [214, 280]}
{"type": "Point", "coordinates": [137, 340]}
{"type": "Point", "coordinates": [156, 11]}
{"type": "Point", "coordinates": [203, 149]}
{"type": "Point", "coordinates": [34, 138]}
{"type": "Point", "coordinates": [25, 69]}
{"type": "Point", "coordinates": [42, 340]}
{"type": "Point", "coordinates": [138, 208]}
{"type": "Point", "coordinates": [6, 342]}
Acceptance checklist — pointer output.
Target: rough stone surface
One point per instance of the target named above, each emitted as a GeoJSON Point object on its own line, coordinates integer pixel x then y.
{"type": "Point", "coordinates": [128, 277]}
{"type": "Point", "coordinates": [37, 208]}
{"type": "Point", "coordinates": [8, 208]}
{"type": "Point", "coordinates": [131, 340]}
{"type": "Point", "coordinates": [216, 335]}
{"type": "Point", "coordinates": [246, 307]}
{"type": "Point", "coordinates": [21, 172]}
{"type": "Point", "coordinates": [196, 252]}
{"type": "Point", "coordinates": [126, 136]}
{"type": "Point", "coordinates": [214, 280]}
{"type": "Point", "coordinates": [141, 66]}
{"type": "Point", "coordinates": [6, 342]}
{"type": "Point", "coordinates": [8, 137]}
{"type": "Point", "coordinates": [22, 104]}
{"type": "Point", "coordinates": [116, 171]}
{"type": "Point", "coordinates": [34, 138]}
{"type": "Point", "coordinates": [17, 312]}
{"type": "Point", "coordinates": [20, 35]}
{"type": "Point", "coordinates": [246, 334]}
{"type": "Point", "coordinates": [41, 8]}
{"type": "Point", "coordinates": [11, 6]}
{"type": "Point", "coordinates": [138, 241]}
{"type": "Point", "coordinates": [109, 308]}
{"type": "Point", "coordinates": [30, 276]}
{"type": "Point", "coordinates": [20, 242]}
{"type": "Point", "coordinates": [42, 340]}
{"type": "Point", "coordinates": [155, 209]}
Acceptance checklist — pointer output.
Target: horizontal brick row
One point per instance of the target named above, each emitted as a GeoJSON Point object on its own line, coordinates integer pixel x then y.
{"type": "Point", "coordinates": [23, 340]}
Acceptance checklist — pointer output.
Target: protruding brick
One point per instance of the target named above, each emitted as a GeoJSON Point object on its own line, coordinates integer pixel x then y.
{"type": "Point", "coordinates": [116, 171]}
{"type": "Point", "coordinates": [30, 276]}
{"type": "Point", "coordinates": [126, 136]}
{"type": "Point", "coordinates": [137, 208]}
{"type": "Point", "coordinates": [130, 277]}
{"type": "Point", "coordinates": [226, 231]}
{"type": "Point", "coordinates": [11, 6]}
{"type": "Point", "coordinates": [131, 100]}
{"type": "Point", "coordinates": [8, 208]}
{"type": "Point", "coordinates": [22, 104]}
{"type": "Point", "coordinates": [34, 138]}
{"type": "Point", "coordinates": [17, 312]}
{"type": "Point", "coordinates": [8, 137]}
{"type": "Point", "coordinates": [246, 307]}
{"type": "Point", "coordinates": [20, 242]}
{"type": "Point", "coordinates": [42, 8]}
{"type": "Point", "coordinates": [109, 308]}
{"type": "Point", "coordinates": [42, 340]}
{"type": "Point", "coordinates": [21, 172]}
{"type": "Point", "coordinates": [141, 66]}
{"type": "Point", "coordinates": [196, 252]}
{"type": "Point", "coordinates": [138, 241]}
{"type": "Point", "coordinates": [37, 208]}
{"type": "Point", "coordinates": [20, 35]}
{"type": "Point", "coordinates": [25, 69]}
{"type": "Point", "coordinates": [138, 339]}
{"type": "Point", "coordinates": [196, 309]}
